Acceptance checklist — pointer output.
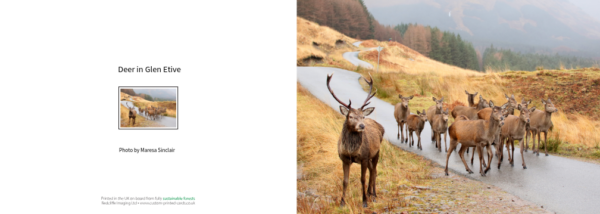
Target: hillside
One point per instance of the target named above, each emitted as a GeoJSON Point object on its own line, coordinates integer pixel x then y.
{"type": "Point", "coordinates": [547, 23]}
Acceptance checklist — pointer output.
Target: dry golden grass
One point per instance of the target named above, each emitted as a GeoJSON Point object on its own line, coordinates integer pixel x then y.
{"type": "Point", "coordinates": [170, 105]}
{"type": "Point", "coordinates": [309, 33]}
{"type": "Point", "coordinates": [396, 57]}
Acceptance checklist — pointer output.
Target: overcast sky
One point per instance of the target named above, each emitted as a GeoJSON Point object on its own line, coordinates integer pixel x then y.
{"type": "Point", "coordinates": [591, 7]}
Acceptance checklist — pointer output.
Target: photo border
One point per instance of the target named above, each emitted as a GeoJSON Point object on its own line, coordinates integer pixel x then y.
{"type": "Point", "coordinates": [142, 128]}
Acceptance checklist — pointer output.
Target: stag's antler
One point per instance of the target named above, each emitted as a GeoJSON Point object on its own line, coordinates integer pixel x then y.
{"type": "Point", "coordinates": [330, 91]}
{"type": "Point", "coordinates": [369, 96]}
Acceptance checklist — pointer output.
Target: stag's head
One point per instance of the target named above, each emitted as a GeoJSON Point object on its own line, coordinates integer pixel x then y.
{"type": "Point", "coordinates": [524, 116]}
{"type": "Point", "coordinates": [405, 100]}
{"type": "Point", "coordinates": [438, 104]}
{"type": "Point", "coordinates": [355, 117]}
{"type": "Point", "coordinates": [549, 106]}
{"type": "Point", "coordinates": [498, 112]}
{"type": "Point", "coordinates": [483, 102]}
{"type": "Point", "coordinates": [422, 115]}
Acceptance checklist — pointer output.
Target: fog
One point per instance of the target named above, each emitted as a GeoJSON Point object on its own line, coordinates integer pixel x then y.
{"type": "Point", "coordinates": [165, 94]}
{"type": "Point", "coordinates": [546, 26]}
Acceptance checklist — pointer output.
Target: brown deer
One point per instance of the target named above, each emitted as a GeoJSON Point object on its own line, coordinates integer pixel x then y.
{"type": "Point", "coordinates": [141, 111]}
{"type": "Point", "coordinates": [470, 112]}
{"type": "Point", "coordinates": [359, 142]}
{"type": "Point", "coordinates": [151, 111]}
{"type": "Point", "coordinates": [540, 122]}
{"type": "Point", "coordinates": [401, 112]}
{"type": "Point", "coordinates": [514, 128]}
{"type": "Point", "coordinates": [432, 110]}
{"type": "Point", "coordinates": [416, 124]}
{"type": "Point", "coordinates": [439, 124]}
{"type": "Point", "coordinates": [471, 98]}
{"type": "Point", "coordinates": [132, 113]}
{"type": "Point", "coordinates": [484, 114]}
{"type": "Point", "coordinates": [475, 133]}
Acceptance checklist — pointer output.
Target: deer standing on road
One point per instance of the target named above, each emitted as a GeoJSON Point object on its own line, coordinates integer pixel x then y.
{"type": "Point", "coordinates": [433, 110]}
{"type": "Point", "coordinates": [439, 124]}
{"type": "Point", "coordinates": [541, 121]}
{"type": "Point", "coordinates": [416, 124]}
{"type": "Point", "coordinates": [401, 112]}
{"type": "Point", "coordinates": [132, 114]}
{"type": "Point", "coordinates": [359, 142]}
{"type": "Point", "coordinates": [475, 133]}
{"type": "Point", "coordinates": [514, 128]}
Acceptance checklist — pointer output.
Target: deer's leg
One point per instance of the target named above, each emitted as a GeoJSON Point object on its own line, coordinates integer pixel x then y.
{"type": "Point", "coordinates": [438, 141]}
{"type": "Point", "coordinates": [499, 151]}
{"type": "Point", "coordinates": [522, 158]}
{"type": "Point", "coordinates": [373, 176]}
{"type": "Point", "coordinates": [432, 133]}
{"type": "Point", "coordinates": [539, 135]}
{"type": "Point", "coordinates": [481, 159]}
{"type": "Point", "coordinates": [399, 132]}
{"type": "Point", "coordinates": [405, 126]}
{"type": "Point", "coordinates": [445, 143]}
{"type": "Point", "coordinates": [461, 153]}
{"type": "Point", "coordinates": [419, 143]}
{"type": "Point", "coordinates": [512, 146]}
{"type": "Point", "coordinates": [472, 155]}
{"type": "Point", "coordinates": [410, 138]}
{"type": "Point", "coordinates": [545, 142]}
{"type": "Point", "coordinates": [363, 174]}
{"type": "Point", "coordinates": [527, 139]}
{"type": "Point", "coordinates": [452, 146]}
{"type": "Point", "coordinates": [490, 156]}
{"type": "Point", "coordinates": [346, 167]}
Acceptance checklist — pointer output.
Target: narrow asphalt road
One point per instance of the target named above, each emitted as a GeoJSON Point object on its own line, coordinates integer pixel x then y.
{"type": "Point", "coordinates": [352, 57]}
{"type": "Point", "coordinates": [559, 184]}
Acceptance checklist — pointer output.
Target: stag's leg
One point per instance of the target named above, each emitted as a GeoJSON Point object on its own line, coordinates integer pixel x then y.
{"type": "Point", "coordinates": [346, 167]}
{"type": "Point", "coordinates": [363, 175]}
{"type": "Point", "coordinates": [490, 156]}
{"type": "Point", "coordinates": [461, 153]}
{"type": "Point", "coordinates": [453, 144]}
{"type": "Point", "coordinates": [522, 158]}
{"type": "Point", "coordinates": [545, 142]}
{"type": "Point", "coordinates": [373, 176]}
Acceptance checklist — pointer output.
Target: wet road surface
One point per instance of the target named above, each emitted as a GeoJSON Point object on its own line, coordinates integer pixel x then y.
{"type": "Point", "coordinates": [164, 120]}
{"type": "Point", "coordinates": [352, 57]}
{"type": "Point", "coordinates": [559, 184]}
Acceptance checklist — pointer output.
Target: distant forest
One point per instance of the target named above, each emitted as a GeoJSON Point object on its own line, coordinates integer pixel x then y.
{"type": "Point", "coordinates": [352, 18]}
{"type": "Point", "coordinates": [445, 46]}
{"type": "Point", "coordinates": [505, 59]}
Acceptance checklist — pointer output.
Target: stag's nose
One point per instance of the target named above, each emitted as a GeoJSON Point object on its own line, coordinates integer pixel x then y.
{"type": "Point", "coordinates": [362, 126]}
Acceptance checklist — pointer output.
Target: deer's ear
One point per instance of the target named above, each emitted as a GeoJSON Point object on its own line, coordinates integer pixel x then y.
{"type": "Point", "coordinates": [368, 111]}
{"type": "Point", "coordinates": [434, 99]}
{"type": "Point", "coordinates": [519, 106]}
{"type": "Point", "coordinates": [344, 110]}
{"type": "Point", "coordinates": [528, 102]}
{"type": "Point", "coordinates": [411, 96]}
{"type": "Point", "coordinates": [512, 96]}
{"type": "Point", "coordinates": [418, 112]}
{"type": "Point", "coordinates": [475, 94]}
{"type": "Point", "coordinates": [466, 92]}
{"type": "Point", "coordinates": [506, 96]}
{"type": "Point", "coordinates": [532, 109]}
{"type": "Point", "coordinates": [543, 102]}
{"type": "Point", "coordinates": [491, 104]}
{"type": "Point", "coordinates": [480, 97]}
{"type": "Point", "coordinates": [400, 96]}
{"type": "Point", "coordinates": [442, 99]}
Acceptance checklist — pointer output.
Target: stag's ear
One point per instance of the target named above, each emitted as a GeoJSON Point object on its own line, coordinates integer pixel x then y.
{"type": "Point", "coordinates": [411, 96]}
{"type": "Point", "coordinates": [368, 111]}
{"type": "Point", "coordinates": [344, 110]}
{"type": "Point", "coordinates": [434, 99]}
{"type": "Point", "coordinates": [532, 109]}
{"type": "Point", "coordinates": [491, 104]}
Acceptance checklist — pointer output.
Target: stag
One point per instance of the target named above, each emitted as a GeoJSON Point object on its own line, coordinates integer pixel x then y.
{"type": "Point", "coordinates": [541, 121]}
{"type": "Point", "coordinates": [439, 124]}
{"type": "Point", "coordinates": [475, 133]}
{"type": "Point", "coordinates": [401, 112]}
{"type": "Point", "coordinates": [132, 113]}
{"type": "Point", "coordinates": [359, 142]}
{"type": "Point", "coordinates": [514, 129]}
{"type": "Point", "coordinates": [433, 110]}
{"type": "Point", "coordinates": [416, 124]}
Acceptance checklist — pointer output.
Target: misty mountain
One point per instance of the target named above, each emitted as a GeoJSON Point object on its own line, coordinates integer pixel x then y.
{"type": "Point", "coordinates": [165, 94]}
{"type": "Point", "coordinates": [523, 25]}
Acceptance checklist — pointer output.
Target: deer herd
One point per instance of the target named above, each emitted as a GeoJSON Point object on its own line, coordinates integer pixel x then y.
{"type": "Point", "coordinates": [479, 125]}
{"type": "Point", "coordinates": [150, 111]}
